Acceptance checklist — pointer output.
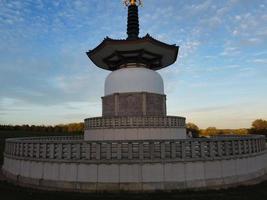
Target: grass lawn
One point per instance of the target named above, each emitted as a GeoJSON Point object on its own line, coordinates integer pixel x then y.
{"type": "Point", "coordinates": [10, 192]}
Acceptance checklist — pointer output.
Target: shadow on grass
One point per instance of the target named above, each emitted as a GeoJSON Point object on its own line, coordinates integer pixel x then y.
{"type": "Point", "coordinates": [257, 192]}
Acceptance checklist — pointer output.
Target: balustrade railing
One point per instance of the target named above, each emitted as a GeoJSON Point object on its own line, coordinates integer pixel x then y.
{"type": "Point", "coordinates": [135, 122]}
{"type": "Point", "coordinates": [74, 149]}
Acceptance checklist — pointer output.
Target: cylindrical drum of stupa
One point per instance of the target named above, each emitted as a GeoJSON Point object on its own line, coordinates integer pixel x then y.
{"type": "Point", "coordinates": [134, 101]}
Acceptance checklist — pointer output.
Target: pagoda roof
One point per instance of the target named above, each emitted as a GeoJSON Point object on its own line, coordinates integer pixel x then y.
{"type": "Point", "coordinates": [111, 54]}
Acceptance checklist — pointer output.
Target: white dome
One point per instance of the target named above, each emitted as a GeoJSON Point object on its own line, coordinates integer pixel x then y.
{"type": "Point", "coordinates": [134, 80]}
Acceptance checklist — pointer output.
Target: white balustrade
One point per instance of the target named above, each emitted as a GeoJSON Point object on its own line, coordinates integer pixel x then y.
{"type": "Point", "coordinates": [75, 149]}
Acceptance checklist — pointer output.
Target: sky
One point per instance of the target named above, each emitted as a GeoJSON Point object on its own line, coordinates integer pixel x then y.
{"type": "Point", "coordinates": [219, 78]}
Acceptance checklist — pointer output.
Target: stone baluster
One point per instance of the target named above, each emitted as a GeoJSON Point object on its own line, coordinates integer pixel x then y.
{"type": "Point", "coordinates": [87, 151]}
{"type": "Point", "coordinates": [173, 150]}
{"type": "Point", "coordinates": [162, 150]}
{"type": "Point", "coordinates": [245, 146]}
{"type": "Point", "coordinates": [60, 149]}
{"type": "Point", "coordinates": [108, 151]}
{"type": "Point", "coordinates": [239, 147]}
{"type": "Point", "coordinates": [37, 150]}
{"type": "Point", "coordinates": [119, 151]}
{"type": "Point", "coordinates": [202, 149]}
{"type": "Point", "coordinates": [98, 151]}
{"type": "Point", "coordinates": [68, 152]}
{"type": "Point", "coordinates": [233, 147]}
{"type": "Point", "coordinates": [152, 150]}
{"type": "Point", "coordinates": [17, 149]}
{"type": "Point", "coordinates": [25, 149]}
{"type": "Point", "coordinates": [226, 147]}
{"type": "Point", "coordinates": [211, 149]}
{"type": "Point", "coordinates": [130, 150]}
{"type": "Point", "coordinates": [258, 145]}
{"type": "Point", "coordinates": [219, 146]}
{"type": "Point", "coordinates": [249, 146]}
{"type": "Point", "coordinates": [44, 150]}
{"type": "Point", "coordinates": [31, 150]}
{"type": "Point", "coordinates": [141, 150]}
{"type": "Point", "coordinates": [193, 149]}
{"type": "Point", "coordinates": [78, 151]}
{"type": "Point", "coordinates": [51, 150]}
{"type": "Point", "coordinates": [183, 150]}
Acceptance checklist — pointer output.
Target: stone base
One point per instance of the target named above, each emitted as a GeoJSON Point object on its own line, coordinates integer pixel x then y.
{"type": "Point", "coordinates": [134, 104]}
{"type": "Point", "coordinates": [136, 177]}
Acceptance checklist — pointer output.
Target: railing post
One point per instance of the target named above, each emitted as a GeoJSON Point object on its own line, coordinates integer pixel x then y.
{"type": "Point", "coordinates": [226, 146]}
{"type": "Point", "coordinates": [68, 151]}
{"type": "Point", "coordinates": [25, 148]}
{"type": "Point", "coordinates": [202, 149]}
{"type": "Point", "coordinates": [44, 150]}
{"type": "Point", "coordinates": [108, 152]}
{"type": "Point", "coordinates": [162, 150]}
{"type": "Point", "coordinates": [239, 148]}
{"type": "Point", "coordinates": [87, 151]}
{"type": "Point", "coordinates": [78, 151]}
{"type": "Point", "coordinates": [246, 150]}
{"type": "Point", "coordinates": [173, 150]}
{"type": "Point", "coordinates": [183, 150]}
{"type": "Point", "coordinates": [98, 150]}
{"type": "Point", "coordinates": [211, 149]}
{"type": "Point", "coordinates": [141, 150]}
{"type": "Point", "coordinates": [219, 148]}
{"type": "Point", "coordinates": [193, 149]}
{"type": "Point", "coordinates": [233, 147]}
{"type": "Point", "coordinates": [119, 151]}
{"type": "Point", "coordinates": [51, 150]}
{"type": "Point", "coordinates": [31, 152]}
{"type": "Point", "coordinates": [60, 151]}
{"type": "Point", "coordinates": [130, 150]}
{"type": "Point", "coordinates": [249, 147]}
{"type": "Point", "coordinates": [151, 148]}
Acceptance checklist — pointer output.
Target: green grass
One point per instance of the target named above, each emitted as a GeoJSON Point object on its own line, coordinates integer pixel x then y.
{"type": "Point", "coordinates": [11, 192]}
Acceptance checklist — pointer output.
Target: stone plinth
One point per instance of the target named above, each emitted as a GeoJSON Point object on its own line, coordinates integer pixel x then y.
{"type": "Point", "coordinates": [134, 104]}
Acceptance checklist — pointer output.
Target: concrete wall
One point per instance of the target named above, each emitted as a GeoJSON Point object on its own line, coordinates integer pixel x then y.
{"type": "Point", "coordinates": [137, 176]}
{"type": "Point", "coordinates": [135, 134]}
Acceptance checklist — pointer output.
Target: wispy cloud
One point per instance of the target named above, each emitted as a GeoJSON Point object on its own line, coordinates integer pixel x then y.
{"type": "Point", "coordinates": [43, 66]}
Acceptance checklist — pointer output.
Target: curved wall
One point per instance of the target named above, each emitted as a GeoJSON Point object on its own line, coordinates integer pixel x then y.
{"type": "Point", "coordinates": [137, 176]}
{"type": "Point", "coordinates": [65, 163]}
{"type": "Point", "coordinates": [136, 79]}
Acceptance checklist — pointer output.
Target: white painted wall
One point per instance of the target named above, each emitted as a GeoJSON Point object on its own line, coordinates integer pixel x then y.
{"type": "Point", "coordinates": [134, 80]}
{"type": "Point", "coordinates": [135, 134]}
{"type": "Point", "coordinates": [140, 176]}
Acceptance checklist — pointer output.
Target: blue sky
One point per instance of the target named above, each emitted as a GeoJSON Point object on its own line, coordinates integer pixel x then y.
{"type": "Point", "coordinates": [219, 79]}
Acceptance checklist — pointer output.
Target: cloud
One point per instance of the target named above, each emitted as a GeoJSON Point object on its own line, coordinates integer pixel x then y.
{"type": "Point", "coordinates": [43, 66]}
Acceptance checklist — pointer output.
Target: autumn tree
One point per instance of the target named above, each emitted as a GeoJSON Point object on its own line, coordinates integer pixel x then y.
{"type": "Point", "coordinates": [210, 131]}
{"type": "Point", "coordinates": [191, 127]}
{"type": "Point", "coordinates": [259, 126]}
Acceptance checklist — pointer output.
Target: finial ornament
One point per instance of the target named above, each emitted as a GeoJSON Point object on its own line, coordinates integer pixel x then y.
{"type": "Point", "coordinates": [132, 2]}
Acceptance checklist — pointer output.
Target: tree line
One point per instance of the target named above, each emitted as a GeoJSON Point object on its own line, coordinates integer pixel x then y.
{"type": "Point", "coordinates": [60, 128]}
{"type": "Point", "coordinates": [259, 127]}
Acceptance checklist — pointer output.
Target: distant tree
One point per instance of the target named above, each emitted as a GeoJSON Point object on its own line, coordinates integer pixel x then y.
{"type": "Point", "coordinates": [259, 126]}
{"type": "Point", "coordinates": [191, 127]}
{"type": "Point", "coordinates": [211, 131]}
{"type": "Point", "coordinates": [241, 131]}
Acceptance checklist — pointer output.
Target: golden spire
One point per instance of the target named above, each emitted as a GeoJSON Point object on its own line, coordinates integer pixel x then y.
{"type": "Point", "coordinates": [132, 2]}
